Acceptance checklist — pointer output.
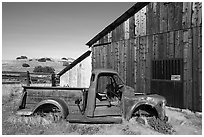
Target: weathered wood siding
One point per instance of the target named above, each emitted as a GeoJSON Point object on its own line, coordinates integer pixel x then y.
{"type": "Point", "coordinates": [164, 30]}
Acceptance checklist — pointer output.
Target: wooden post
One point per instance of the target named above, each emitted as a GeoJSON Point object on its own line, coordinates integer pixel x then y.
{"type": "Point", "coordinates": [28, 79]}
{"type": "Point", "coordinates": [53, 80]}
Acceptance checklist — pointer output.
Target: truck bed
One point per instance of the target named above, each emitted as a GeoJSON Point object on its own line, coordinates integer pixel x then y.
{"type": "Point", "coordinates": [57, 88]}
{"type": "Point", "coordinates": [69, 95]}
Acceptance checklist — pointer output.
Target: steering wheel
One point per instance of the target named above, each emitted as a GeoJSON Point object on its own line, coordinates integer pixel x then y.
{"type": "Point", "coordinates": [116, 89]}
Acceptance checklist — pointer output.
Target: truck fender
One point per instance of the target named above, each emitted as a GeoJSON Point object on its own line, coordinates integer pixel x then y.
{"type": "Point", "coordinates": [59, 103]}
{"type": "Point", "coordinates": [135, 106]}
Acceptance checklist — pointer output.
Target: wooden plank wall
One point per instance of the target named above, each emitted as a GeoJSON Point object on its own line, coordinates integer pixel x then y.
{"type": "Point", "coordinates": [162, 30]}
{"type": "Point", "coordinates": [197, 68]}
{"type": "Point", "coordinates": [187, 56]}
{"type": "Point", "coordinates": [197, 55]}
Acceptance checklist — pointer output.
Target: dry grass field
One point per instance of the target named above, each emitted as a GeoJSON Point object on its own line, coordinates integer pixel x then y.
{"type": "Point", "coordinates": [183, 121]}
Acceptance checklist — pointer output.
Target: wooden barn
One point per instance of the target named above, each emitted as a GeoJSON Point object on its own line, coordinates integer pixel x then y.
{"type": "Point", "coordinates": [156, 48]}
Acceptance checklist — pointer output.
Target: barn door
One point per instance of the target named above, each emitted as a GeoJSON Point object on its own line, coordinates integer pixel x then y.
{"type": "Point", "coordinates": [167, 80]}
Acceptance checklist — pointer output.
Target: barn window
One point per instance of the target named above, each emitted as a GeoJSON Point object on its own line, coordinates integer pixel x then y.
{"type": "Point", "coordinates": [170, 69]}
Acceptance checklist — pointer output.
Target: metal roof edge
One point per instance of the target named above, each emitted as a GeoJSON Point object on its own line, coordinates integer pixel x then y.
{"type": "Point", "coordinates": [130, 12]}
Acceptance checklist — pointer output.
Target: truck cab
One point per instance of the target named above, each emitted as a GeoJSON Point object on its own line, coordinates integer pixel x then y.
{"type": "Point", "coordinates": [109, 96]}
{"type": "Point", "coordinates": [104, 94]}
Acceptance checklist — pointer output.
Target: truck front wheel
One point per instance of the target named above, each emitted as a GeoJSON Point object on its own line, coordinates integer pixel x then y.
{"type": "Point", "coordinates": [147, 115]}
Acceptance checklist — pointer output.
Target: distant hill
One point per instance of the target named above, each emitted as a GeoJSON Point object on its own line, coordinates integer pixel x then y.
{"type": "Point", "coordinates": [16, 65]}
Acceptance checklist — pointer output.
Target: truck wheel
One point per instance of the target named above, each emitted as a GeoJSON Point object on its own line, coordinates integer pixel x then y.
{"type": "Point", "coordinates": [143, 112]}
{"type": "Point", "coordinates": [55, 114]}
{"type": "Point", "coordinates": [50, 112]}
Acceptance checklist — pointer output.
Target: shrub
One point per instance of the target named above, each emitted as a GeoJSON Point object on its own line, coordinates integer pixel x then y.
{"type": "Point", "coordinates": [65, 63]}
{"type": "Point", "coordinates": [22, 57]}
{"type": "Point", "coordinates": [38, 69]}
{"type": "Point", "coordinates": [25, 65]}
{"type": "Point", "coordinates": [44, 59]}
{"type": "Point", "coordinates": [49, 69]}
{"type": "Point", "coordinates": [64, 59]}
{"type": "Point", "coordinates": [48, 59]}
{"type": "Point", "coordinates": [45, 69]}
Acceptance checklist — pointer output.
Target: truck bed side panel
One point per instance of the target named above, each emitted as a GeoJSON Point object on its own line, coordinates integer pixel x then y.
{"type": "Point", "coordinates": [34, 96]}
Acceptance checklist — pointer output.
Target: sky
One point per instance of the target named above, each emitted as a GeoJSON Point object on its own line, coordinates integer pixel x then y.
{"type": "Point", "coordinates": [54, 29]}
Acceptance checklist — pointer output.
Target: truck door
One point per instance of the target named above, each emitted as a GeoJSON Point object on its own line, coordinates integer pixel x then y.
{"type": "Point", "coordinates": [107, 102]}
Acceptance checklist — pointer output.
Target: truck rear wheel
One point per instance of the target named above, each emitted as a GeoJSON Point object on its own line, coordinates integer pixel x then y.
{"type": "Point", "coordinates": [56, 114]}
{"type": "Point", "coordinates": [50, 112]}
{"type": "Point", "coordinates": [55, 108]}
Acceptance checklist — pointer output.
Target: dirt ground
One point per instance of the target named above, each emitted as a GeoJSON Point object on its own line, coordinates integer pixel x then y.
{"type": "Point", "coordinates": [184, 122]}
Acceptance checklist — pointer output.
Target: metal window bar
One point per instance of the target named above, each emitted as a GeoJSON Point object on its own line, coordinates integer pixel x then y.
{"type": "Point", "coordinates": [164, 69]}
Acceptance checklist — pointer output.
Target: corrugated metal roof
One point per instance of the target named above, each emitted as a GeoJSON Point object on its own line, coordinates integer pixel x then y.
{"type": "Point", "coordinates": [134, 9]}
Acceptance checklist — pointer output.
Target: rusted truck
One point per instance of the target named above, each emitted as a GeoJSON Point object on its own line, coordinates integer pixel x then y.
{"type": "Point", "coordinates": [107, 100]}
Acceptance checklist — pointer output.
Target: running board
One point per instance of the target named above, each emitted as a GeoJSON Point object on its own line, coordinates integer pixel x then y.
{"type": "Point", "coordinates": [94, 120]}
